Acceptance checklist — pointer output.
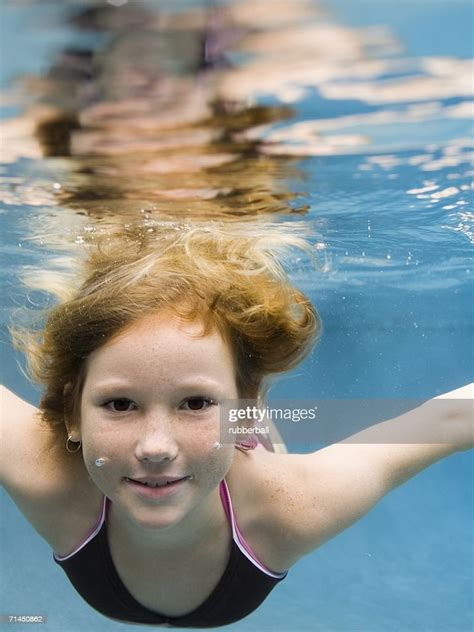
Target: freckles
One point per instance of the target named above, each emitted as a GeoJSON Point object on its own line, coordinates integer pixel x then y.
{"type": "Point", "coordinates": [222, 460]}
{"type": "Point", "coordinates": [212, 463]}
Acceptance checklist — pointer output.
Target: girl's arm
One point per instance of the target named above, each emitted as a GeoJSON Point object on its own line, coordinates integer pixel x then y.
{"type": "Point", "coordinates": [18, 426]}
{"type": "Point", "coordinates": [407, 444]}
{"type": "Point", "coordinates": [337, 485]}
{"type": "Point", "coordinates": [50, 487]}
{"type": "Point", "coordinates": [29, 456]}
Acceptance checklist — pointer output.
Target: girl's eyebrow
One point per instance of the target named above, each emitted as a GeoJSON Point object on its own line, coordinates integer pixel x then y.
{"type": "Point", "coordinates": [110, 385]}
{"type": "Point", "coordinates": [191, 383]}
{"type": "Point", "coordinates": [200, 382]}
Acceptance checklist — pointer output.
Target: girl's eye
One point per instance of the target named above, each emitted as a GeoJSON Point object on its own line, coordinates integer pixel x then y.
{"type": "Point", "coordinates": [199, 403]}
{"type": "Point", "coordinates": [119, 405]}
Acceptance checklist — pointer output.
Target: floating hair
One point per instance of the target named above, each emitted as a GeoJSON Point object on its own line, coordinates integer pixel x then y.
{"type": "Point", "coordinates": [226, 276]}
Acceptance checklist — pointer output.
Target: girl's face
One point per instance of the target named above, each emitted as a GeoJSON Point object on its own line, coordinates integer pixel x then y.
{"type": "Point", "coordinates": [150, 407]}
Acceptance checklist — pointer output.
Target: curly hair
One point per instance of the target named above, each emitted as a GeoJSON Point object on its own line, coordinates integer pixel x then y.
{"type": "Point", "coordinates": [225, 278]}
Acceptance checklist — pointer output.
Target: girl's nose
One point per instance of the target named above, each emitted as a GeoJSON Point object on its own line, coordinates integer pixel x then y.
{"type": "Point", "coordinates": [156, 444]}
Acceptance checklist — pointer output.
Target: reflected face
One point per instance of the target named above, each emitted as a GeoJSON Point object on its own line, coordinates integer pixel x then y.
{"type": "Point", "coordinates": [150, 407]}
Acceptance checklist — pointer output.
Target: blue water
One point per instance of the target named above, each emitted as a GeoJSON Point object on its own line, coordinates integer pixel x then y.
{"type": "Point", "coordinates": [395, 300]}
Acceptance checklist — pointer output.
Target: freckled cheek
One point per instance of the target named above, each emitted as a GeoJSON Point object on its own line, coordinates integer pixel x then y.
{"type": "Point", "coordinates": [199, 441]}
{"type": "Point", "coordinates": [211, 464]}
{"type": "Point", "coordinates": [197, 444]}
{"type": "Point", "coordinates": [101, 443]}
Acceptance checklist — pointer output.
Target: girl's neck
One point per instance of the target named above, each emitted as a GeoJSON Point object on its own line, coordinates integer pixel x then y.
{"type": "Point", "coordinates": [199, 528]}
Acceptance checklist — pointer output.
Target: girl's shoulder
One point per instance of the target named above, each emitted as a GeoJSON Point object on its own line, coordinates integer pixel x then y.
{"type": "Point", "coordinates": [50, 487]}
{"type": "Point", "coordinates": [290, 504]}
{"type": "Point", "coordinates": [268, 500]}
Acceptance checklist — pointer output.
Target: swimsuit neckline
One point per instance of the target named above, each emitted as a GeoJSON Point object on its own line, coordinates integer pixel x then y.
{"type": "Point", "coordinates": [130, 600]}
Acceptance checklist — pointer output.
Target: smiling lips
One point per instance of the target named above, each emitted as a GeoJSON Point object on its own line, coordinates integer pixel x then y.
{"type": "Point", "coordinates": [157, 488]}
{"type": "Point", "coordinates": [158, 481]}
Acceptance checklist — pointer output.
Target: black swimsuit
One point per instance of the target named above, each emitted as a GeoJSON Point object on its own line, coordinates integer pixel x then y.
{"type": "Point", "coordinates": [245, 584]}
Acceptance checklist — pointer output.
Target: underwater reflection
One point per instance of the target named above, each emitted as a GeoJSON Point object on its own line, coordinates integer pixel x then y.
{"type": "Point", "coordinates": [143, 126]}
{"type": "Point", "coordinates": [186, 111]}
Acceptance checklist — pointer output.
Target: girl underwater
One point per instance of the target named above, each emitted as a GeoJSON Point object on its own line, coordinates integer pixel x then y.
{"type": "Point", "coordinates": [155, 515]}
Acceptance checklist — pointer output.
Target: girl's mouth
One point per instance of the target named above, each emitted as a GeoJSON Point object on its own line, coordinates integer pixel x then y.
{"type": "Point", "coordinates": [158, 484]}
{"type": "Point", "coordinates": [157, 490]}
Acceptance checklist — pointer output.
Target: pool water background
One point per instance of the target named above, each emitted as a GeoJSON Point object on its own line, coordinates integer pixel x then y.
{"type": "Point", "coordinates": [397, 323]}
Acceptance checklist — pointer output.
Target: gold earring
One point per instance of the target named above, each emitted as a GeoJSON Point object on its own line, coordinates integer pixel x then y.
{"type": "Point", "coordinates": [70, 439]}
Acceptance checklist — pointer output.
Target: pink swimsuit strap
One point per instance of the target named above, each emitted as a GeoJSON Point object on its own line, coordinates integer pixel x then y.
{"type": "Point", "coordinates": [237, 535]}
{"type": "Point", "coordinates": [226, 503]}
{"type": "Point", "coordinates": [91, 535]}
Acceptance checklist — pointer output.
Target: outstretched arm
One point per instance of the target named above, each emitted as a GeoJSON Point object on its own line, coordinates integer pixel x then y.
{"type": "Point", "coordinates": [407, 444]}
{"type": "Point", "coordinates": [341, 483]}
